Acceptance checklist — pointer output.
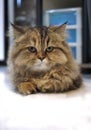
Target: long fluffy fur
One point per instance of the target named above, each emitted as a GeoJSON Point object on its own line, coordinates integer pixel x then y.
{"type": "Point", "coordinates": [44, 70]}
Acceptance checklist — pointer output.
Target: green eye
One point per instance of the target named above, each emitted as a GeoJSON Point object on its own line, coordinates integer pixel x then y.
{"type": "Point", "coordinates": [50, 49]}
{"type": "Point", "coordinates": [32, 49]}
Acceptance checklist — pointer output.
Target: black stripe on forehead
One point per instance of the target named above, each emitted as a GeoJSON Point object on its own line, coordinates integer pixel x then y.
{"type": "Point", "coordinates": [43, 30]}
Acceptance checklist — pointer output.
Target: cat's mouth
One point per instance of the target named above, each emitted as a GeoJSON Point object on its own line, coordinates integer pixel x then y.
{"type": "Point", "coordinates": [40, 65]}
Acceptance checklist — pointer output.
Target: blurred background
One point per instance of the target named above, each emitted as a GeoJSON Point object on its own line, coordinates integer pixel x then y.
{"type": "Point", "coordinates": [50, 12]}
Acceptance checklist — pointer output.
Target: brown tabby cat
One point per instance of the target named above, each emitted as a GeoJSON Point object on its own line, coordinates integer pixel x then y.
{"type": "Point", "coordinates": [40, 60]}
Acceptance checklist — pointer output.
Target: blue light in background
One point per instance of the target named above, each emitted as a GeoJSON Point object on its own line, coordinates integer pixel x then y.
{"type": "Point", "coordinates": [18, 3]}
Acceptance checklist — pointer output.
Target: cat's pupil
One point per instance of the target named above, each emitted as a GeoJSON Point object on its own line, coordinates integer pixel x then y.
{"type": "Point", "coordinates": [32, 49]}
{"type": "Point", "coordinates": [50, 49]}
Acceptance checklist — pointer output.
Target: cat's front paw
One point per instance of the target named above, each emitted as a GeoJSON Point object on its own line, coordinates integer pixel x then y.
{"type": "Point", "coordinates": [26, 88]}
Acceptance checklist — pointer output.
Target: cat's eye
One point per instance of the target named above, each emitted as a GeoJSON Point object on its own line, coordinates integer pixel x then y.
{"type": "Point", "coordinates": [32, 49]}
{"type": "Point", "coordinates": [50, 49]}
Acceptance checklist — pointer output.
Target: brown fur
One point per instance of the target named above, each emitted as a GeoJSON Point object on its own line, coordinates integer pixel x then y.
{"type": "Point", "coordinates": [42, 69]}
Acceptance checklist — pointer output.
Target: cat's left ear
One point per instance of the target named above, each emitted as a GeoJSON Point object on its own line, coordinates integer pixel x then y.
{"type": "Point", "coordinates": [59, 29]}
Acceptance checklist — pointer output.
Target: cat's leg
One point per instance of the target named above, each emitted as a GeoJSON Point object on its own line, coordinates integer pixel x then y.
{"type": "Point", "coordinates": [49, 86]}
{"type": "Point", "coordinates": [26, 88]}
{"type": "Point", "coordinates": [64, 84]}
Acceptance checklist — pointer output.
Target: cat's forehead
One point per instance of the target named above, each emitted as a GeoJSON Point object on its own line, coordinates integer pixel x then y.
{"type": "Point", "coordinates": [43, 35]}
{"type": "Point", "coordinates": [41, 31]}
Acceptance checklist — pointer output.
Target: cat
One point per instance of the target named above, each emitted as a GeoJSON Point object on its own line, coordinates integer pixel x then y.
{"type": "Point", "coordinates": [40, 60]}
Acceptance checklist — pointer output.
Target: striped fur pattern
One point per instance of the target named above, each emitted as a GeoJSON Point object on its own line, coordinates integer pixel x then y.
{"type": "Point", "coordinates": [40, 60]}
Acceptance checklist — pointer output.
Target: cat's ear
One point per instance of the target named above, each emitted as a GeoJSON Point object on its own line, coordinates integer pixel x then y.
{"type": "Point", "coordinates": [59, 29]}
{"type": "Point", "coordinates": [18, 30]}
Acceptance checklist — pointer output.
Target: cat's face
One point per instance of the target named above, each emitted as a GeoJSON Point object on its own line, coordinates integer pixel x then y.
{"type": "Point", "coordinates": [40, 48]}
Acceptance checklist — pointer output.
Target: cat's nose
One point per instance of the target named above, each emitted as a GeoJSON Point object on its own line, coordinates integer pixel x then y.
{"type": "Point", "coordinates": [41, 58]}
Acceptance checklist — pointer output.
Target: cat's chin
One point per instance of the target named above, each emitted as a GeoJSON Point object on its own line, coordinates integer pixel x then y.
{"type": "Point", "coordinates": [40, 66]}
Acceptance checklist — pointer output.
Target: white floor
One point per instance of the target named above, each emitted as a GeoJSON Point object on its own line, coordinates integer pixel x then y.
{"type": "Point", "coordinates": [64, 111]}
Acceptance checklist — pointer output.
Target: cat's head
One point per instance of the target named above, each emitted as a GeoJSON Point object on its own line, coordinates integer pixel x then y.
{"type": "Point", "coordinates": [40, 48]}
